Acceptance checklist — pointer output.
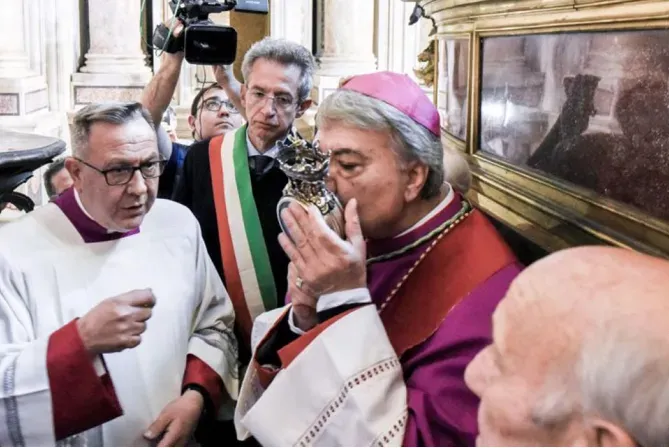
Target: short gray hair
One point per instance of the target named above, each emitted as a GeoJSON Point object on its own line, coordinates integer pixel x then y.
{"type": "Point", "coordinates": [413, 142]}
{"type": "Point", "coordinates": [617, 377]}
{"type": "Point", "coordinates": [624, 378]}
{"type": "Point", "coordinates": [284, 52]}
{"type": "Point", "coordinates": [112, 112]}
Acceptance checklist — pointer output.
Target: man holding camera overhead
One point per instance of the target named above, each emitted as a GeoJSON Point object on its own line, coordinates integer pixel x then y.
{"type": "Point", "coordinates": [214, 110]}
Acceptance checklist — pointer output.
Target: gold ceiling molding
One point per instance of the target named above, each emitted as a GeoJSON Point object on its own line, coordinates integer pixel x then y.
{"type": "Point", "coordinates": [456, 16]}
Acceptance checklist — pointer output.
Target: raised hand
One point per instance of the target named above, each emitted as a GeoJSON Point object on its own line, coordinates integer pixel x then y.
{"type": "Point", "coordinates": [324, 262]}
{"type": "Point", "coordinates": [223, 74]}
{"type": "Point", "coordinates": [303, 303]}
{"type": "Point", "coordinates": [116, 323]}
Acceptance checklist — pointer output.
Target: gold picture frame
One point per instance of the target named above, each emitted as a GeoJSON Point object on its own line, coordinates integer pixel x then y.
{"type": "Point", "coordinates": [551, 212]}
{"type": "Point", "coordinates": [453, 54]}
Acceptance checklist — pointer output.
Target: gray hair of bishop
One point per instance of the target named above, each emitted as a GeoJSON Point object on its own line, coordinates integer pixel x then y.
{"type": "Point", "coordinates": [413, 142]}
{"type": "Point", "coordinates": [115, 113]}
{"type": "Point", "coordinates": [284, 52]}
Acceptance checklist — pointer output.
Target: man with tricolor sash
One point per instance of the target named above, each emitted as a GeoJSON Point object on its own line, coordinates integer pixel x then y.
{"type": "Point", "coordinates": [232, 185]}
{"type": "Point", "coordinates": [382, 322]}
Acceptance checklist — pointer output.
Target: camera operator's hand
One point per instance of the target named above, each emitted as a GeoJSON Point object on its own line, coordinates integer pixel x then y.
{"type": "Point", "coordinates": [224, 75]}
{"type": "Point", "coordinates": [116, 323]}
{"type": "Point", "coordinates": [158, 93]}
{"type": "Point", "coordinates": [168, 39]}
{"type": "Point", "coordinates": [175, 26]}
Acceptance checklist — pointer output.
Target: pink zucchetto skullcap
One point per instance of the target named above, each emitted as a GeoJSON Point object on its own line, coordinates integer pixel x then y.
{"type": "Point", "coordinates": [399, 91]}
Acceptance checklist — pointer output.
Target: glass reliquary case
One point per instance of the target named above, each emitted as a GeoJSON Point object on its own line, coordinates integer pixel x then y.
{"type": "Point", "coordinates": [562, 110]}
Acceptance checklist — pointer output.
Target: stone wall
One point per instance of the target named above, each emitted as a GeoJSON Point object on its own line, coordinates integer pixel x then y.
{"type": "Point", "coordinates": [58, 55]}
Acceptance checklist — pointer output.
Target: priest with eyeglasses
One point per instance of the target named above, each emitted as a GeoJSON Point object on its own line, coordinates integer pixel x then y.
{"type": "Point", "coordinates": [116, 328]}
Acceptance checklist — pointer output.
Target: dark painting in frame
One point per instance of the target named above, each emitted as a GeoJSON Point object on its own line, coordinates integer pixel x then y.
{"type": "Point", "coordinates": [589, 108]}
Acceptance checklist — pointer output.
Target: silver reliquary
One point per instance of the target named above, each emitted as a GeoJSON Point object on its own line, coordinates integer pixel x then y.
{"type": "Point", "coordinates": [306, 168]}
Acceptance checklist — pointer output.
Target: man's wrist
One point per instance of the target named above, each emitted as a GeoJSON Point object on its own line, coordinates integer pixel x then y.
{"type": "Point", "coordinates": [305, 317]}
{"type": "Point", "coordinates": [197, 394]}
{"type": "Point", "coordinates": [83, 336]}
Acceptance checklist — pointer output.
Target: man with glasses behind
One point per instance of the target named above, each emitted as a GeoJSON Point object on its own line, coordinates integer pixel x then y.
{"type": "Point", "coordinates": [117, 330]}
{"type": "Point", "coordinates": [211, 114]}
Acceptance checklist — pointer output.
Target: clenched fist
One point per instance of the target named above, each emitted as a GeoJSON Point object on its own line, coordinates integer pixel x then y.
{"type": "Point", "coordinates": [116, 323]}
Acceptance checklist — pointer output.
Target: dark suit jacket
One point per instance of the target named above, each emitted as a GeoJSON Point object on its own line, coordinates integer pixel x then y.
{"type": "Point", "coordinates": [195, 192]}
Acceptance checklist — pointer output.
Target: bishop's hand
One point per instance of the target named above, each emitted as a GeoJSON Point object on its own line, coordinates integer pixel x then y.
{"type": "Point", "coordinates": [116, 323]}
{"type": "Point", "coordinates": [322, 262]}
{"type": "Point", "coordinates": [303, 303]}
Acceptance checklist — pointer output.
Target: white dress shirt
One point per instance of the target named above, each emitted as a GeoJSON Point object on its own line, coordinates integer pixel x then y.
{"type": "Point", "coordinates": [272, 152]}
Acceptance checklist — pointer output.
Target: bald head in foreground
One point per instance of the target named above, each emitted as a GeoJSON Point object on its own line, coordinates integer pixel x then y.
{"type": "Point", "coordinates": [580, 354]}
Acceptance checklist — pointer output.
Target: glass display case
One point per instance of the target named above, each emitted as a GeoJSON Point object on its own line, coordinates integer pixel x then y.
{"type": "Point", "coordinates": [562, 110]}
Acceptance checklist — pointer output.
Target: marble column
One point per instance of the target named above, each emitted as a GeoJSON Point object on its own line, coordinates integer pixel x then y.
{"type": "Point", "coordinates": [14, 60]}
{"type": "Point", "coordinates": [398, 44]}
{"type": "Point", "coordinates": [115, 66]}
{"type": "Point", "coordinates": [423, 40]}
{"type": "Point", "coordinates": [292, 20]}
{"type": "Point", "coordinates": [23, 91]}
{"type": "Point", "coordinates": [346, 42]}
{"type": "Point", "coordinates": [24, 64]}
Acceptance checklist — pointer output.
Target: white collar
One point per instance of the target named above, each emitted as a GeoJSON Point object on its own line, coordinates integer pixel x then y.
{"type": "Point", "coordinates": [439, 207]}
{"type": "Point", "coordinates": [81, 206]}
{"type": "Point", "coordinates": [252, 151]}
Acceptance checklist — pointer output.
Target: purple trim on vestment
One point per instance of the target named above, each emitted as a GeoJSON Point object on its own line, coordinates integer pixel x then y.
{"type": "Point", "coordinates": [442, 408]}
{"type": "Point", "coordinates": [90, 231]}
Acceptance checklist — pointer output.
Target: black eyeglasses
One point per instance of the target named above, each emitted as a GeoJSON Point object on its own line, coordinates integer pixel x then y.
{"type": "Point", "coordinates": [214, 105]}
{"type": "Point", "coordinates": [121, 175]}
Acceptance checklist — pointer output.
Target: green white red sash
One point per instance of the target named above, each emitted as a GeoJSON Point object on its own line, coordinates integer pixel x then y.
{"type": "Point", "coordinates": [248, 273]}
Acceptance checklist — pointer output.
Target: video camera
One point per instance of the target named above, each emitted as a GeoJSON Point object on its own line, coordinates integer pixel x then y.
{"type": "Point", "coordinates": [203, 42]}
